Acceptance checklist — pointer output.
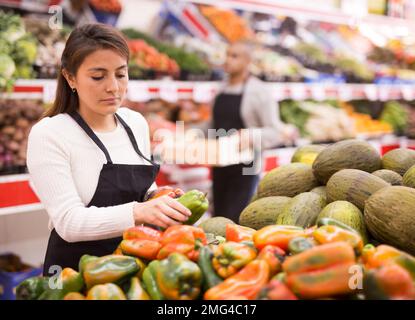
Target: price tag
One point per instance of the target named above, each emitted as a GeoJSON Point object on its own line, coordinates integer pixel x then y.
{"type": "Point", "coordinates": [408, 92]}
{"type": "Point", "coordinates": [168, 91]}
{"type": "Point", "coordinates": [49, 91]}
{"type": "Point", "coordinates": [318, 93]}
{"type": "Point", "coordinates": [202, 92]}
{"type": "Point", "coordinates": [298, 92]}
{"type": "Point", "coordinates": [371, 92]}
{"type": "Point", "coordinates": [345, 92]}
{"type": "Point", "coordinates": [138, 91]}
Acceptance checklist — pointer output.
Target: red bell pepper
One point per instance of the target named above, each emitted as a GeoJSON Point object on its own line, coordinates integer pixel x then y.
{"type": "Point", "coordinates": [182, 239]}
{"type": "Point", "coordinates": [141, 248]}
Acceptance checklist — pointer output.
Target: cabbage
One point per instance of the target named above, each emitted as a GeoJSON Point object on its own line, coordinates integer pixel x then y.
{"type": "Point", "coordinates": [25, 51]}
{"type": "Point", "coordinates": [7, 66]}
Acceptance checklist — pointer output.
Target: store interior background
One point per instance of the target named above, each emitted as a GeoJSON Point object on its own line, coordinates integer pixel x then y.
{"type": "Point", "coordinates": [24, 230]}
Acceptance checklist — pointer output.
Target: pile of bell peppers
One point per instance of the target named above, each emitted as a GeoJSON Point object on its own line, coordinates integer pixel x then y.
{"type": "Point", "coordinates": [277, 262]}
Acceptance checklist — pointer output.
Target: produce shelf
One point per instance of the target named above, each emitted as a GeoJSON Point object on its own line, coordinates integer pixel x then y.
{"type": "Point", "coordinates": [283, 8]}
{"type": "Point", "coordinates": [172, 91]}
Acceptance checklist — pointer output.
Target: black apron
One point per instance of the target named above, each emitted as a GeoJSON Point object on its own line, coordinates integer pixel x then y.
{"type": "Point", "coordinates": [117, 184]}
{"type": "Point", "coordinates": [232, 190]}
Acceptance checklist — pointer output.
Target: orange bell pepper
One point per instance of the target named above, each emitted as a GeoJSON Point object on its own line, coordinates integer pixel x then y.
{"type": "Point", "coordinates": [331, 233]}
{"type": "Point", "coordinates": [142, 232]}
{"type": "Point", "coordinates": [246, 283]}
{"type": "Point", "coordinates": [274, 256]}
{"type": "Point", "coordinates": [276, 290]}
{"type": "Point", "coordinates": [237, 233]}
{"type": "Point", "coordinates": [182, 239]}
{"type": "Point", "coordinates": [141, 248]}
{"type": "Point", "coordinates": [276, 235]}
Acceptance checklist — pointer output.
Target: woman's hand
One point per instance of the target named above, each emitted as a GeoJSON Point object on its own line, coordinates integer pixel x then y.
{"type": "Point", "coordinates": [162, 211]}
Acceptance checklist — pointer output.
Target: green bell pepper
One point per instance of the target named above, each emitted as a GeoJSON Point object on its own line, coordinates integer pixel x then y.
{"type": "Point", "coordinates": [178, 278]}
{"type": "Point", "coordinates": [196, 202]}
{"type": "Point", "coordinates": [68, 281]}
{"type": "Point", "coordinates": [149, 280]}
{"type": "Point", "coordinates": [31, 288]}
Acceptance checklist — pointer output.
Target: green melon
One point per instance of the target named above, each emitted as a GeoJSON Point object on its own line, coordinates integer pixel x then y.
{"type": "Point", "coordinates": [307, 154]}
{"type": "Point", "coordinates": [302, 210]}
{"type": "Point", "coordinates": [409, 177]}
{"type": "Point", "coordinates": [262, 212]}
{"type": "Point", "coordinates": [288, 180]}
{"type": "Point", "coordinates": [389, 217]}
{"type": "Point", "coordinates": [389, 176]}
{"type": "Point", "coordinates": [321, 191]}
{"type": "Point", "coordinates": [355, 186]}
{"type": "Point", "coordinates": [216, 225]}
{"type": "Point", "coordinates": [399, 160]}
{"type": "Point", "coordinates": [347, 154]}
{"type": "Point", "coordinates": [347, 213]}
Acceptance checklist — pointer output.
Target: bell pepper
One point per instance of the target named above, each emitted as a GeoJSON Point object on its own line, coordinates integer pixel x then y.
{"type": "Point", "coordinates": [321, 271]}
{"type": "Point", "coordinates": [136, 291]}
{"type": "Point", "coordinates": [300, 244]}
{"type": "Point", "coordinates": [74, 296]}
{"type": "Point", "coordinates": [85, 259]}
{"type": "Point", "coordinates": [246, 283]}
{"type": "Point", "coordinates": [196, 202]}
{"type": "Point", "coordinates": [277, 235]}
{"type": "Point", "coordinates": [31, 288]}
{"type": "Point", "coordinates": [389, 282]}
{"type": "Point", "coordinates": [274, 256]}
{"type": "Point", "coordinates": [210, 277]}
{"type": "Point", "coordinates": [107, 291]}
{"type": "Point", "coordinates": [163, 191]}
{"type": "Point", "coordinates": [331, 233]}
{"type": "Point", "coordinates": [276, 290]}
{"type": "Point", "coordinates": [230, 257]}
{"type": "Point", "coordinates": [141, 248]}
{"type": "Point", "coordinates": [237, 233]}
{"type": "Point", "coordinates": [182, 239]}
{"type": "Point", "coordinates": [179, 278]}
{"type": "Point", "coordinates": [142, 232]}
{"type": "Point", "coordinates": [110, 268]}
{"type": "Point", "coordinates": [68, 281]}
{"type": "Point", "coordinates": [375, 257]}
{"type": "Point", "coordinates": [150, 282]}
{"type": "Point", "coordinates": [118, 250]}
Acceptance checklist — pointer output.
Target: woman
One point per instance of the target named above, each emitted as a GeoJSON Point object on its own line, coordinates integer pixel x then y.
{"type": "Point", "coordinates": [89, 159]}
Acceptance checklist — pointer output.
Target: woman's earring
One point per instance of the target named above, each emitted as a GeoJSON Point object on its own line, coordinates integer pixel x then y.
{"type": "Point", "coordinates": [73, 90]}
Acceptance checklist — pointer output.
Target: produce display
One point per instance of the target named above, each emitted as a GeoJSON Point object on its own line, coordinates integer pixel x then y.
{"type": "Point", "coordinates": [16, 119]}
{"type": "Point", "coordinates": [300, 239]}
{"type": "Point", "coordinates": [18, 50]}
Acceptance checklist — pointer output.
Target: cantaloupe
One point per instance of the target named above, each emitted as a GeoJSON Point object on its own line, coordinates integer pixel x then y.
{"type": "Point", "coordinates": [399, 160]}
{"type": "Point", "coordinates": [389, 176]}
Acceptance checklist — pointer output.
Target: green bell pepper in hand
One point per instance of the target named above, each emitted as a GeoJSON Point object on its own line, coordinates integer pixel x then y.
{"type": "Point", "coordinates": [196, 202]}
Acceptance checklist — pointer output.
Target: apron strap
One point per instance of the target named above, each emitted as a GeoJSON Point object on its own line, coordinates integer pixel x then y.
{"type": "Point", "coordinates": [133, 140]}
{"type": "Point", "coordinates": [77, 117]}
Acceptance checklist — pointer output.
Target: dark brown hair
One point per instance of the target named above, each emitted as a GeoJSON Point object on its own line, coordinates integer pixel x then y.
{"type": "Point", "coordinates": [82, 42]}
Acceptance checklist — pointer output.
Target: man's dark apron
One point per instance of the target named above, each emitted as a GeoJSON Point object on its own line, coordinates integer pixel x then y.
{"type": "Point", "coordinates": [117, 184]}
{"type": "Point", "coordinates": [232, 190]}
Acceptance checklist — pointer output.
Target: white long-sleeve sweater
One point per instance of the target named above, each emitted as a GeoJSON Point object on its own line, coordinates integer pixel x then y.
{"type": "Point", "coordinates": [64, 166]}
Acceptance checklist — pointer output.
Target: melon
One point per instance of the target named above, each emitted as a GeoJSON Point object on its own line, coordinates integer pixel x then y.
{"type": "Point", "coordinates": [399, 160]}
{"type": "Point", "coordinates": [262, 212]}
{"type": "Point", "coordinates": [287, 180]}
{"type": "Point", "coordinates": [347, 154]}
{"type": "Point", "coordinates": [302, 210]}
{"type": "Point", "coordinates": [347, 213]}
{"type": "Point", "coordinates": [216, 225]}
{"type": "Point", "coordinates": [307, 154]}
{"type": "Point", "coordinates": [389, 176]}
{"type": "Point", "coordinates": [409, 177]}
{"type": "Point", "coordinates": [355, 186]}
{"type": "Point", "coordinates": [390, 217]}
{"type": "Point", "coordinates": [321, 191]}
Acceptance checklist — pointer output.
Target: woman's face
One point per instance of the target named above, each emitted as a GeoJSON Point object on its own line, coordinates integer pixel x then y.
{"type": "Point", "coordinates": [101, 82]}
